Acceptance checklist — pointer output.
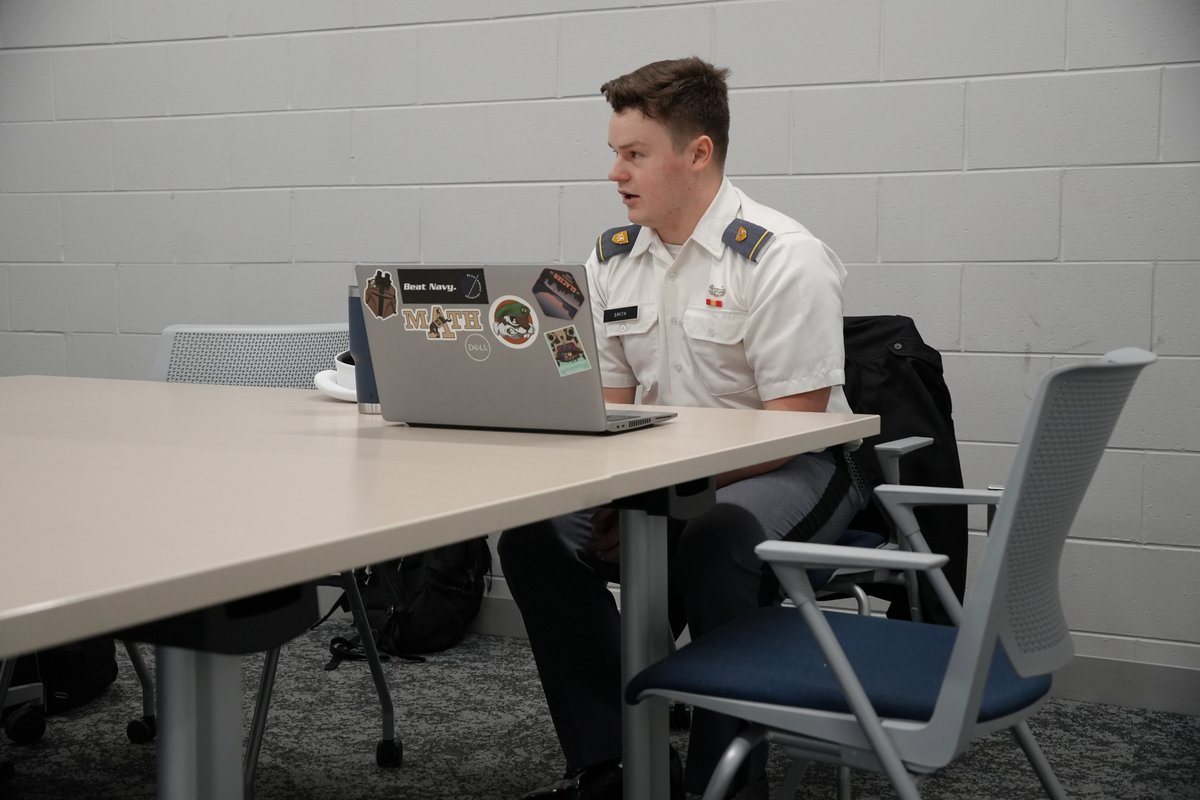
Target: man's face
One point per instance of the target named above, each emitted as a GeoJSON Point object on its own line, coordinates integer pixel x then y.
{"type": "Point", "coordinates": [654, 179]}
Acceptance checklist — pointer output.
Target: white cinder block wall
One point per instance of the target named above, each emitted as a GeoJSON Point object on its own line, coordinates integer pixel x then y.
{"type": "Point", "coordinates": [1023, 178]}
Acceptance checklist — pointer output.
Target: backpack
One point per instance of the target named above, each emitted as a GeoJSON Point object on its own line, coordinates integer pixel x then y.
{"type": "Point", "coordinates": [70, 674]}
{"type": "Point", "coordinates": [421, 603]}
{"type": "Point", "coordinates": [892, 372]}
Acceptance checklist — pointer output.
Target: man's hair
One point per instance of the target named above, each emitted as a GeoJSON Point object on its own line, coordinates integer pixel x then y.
{"type": "Point", "coordinates": [688, 96]}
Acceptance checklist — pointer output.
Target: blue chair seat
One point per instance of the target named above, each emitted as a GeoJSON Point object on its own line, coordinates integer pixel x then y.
{"type": "Point", "coordinates": [769, 656]}
{"type": "Point", "coordinates": [851, 537]}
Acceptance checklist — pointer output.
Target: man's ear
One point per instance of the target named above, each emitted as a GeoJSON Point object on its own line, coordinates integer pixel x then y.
{"type": "Point", "coordinates": [702, 151]}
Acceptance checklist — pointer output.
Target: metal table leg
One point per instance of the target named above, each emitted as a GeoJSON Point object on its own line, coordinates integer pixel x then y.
{"type": "Point", "coordinates": [645, 638]}
{"type": "Point", "coordinates": [200, 724]}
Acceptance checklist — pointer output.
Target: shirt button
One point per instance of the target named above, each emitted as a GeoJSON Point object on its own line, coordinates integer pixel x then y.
{"type": "Point", "coordinates": [679, 368]}
{"type": "Point", "coordinates": [671, 275]}
{"type": "Point", "coordinates": [623, 326]}
{"type": "Point", "coordinates": [674, 320]}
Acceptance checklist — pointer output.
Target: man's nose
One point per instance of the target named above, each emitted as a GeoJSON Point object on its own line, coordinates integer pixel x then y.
{"type": "Point", "coordinates": [617, 172]}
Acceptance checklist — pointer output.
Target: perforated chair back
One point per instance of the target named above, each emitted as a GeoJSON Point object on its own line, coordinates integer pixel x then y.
{"type": "Point", "coordinates": [1071, 421]}
{"type": "Point", "coordinates": [249, 355]}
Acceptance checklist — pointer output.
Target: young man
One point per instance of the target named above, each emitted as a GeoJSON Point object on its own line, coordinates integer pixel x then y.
{"type": "Point", "coordinates": [706, 299]}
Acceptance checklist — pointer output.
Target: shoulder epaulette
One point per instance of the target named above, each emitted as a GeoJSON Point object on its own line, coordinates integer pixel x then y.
{"type": "Point", "coordinates": [746, 238]}
{"type": "Point", "coordinates": [615, 241]}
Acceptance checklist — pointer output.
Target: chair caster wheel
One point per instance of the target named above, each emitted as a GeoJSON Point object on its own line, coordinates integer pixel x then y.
{"type": "Point", "coordinates": [389, 754]}
{"type": "Point", "coordinates": [141, 730]}
{"type": "Point", "coordinates": [25, 724]}
{"type": "Point", "coordinates": [680, 717]}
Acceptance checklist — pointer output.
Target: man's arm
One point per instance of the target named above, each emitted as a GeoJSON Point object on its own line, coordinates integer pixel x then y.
{"type": "Point", "coordinates": [816, 400]}
{"type": "Point", "coordinates": [621, 395]}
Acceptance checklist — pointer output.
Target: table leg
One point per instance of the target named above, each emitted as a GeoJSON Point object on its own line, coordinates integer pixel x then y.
{"type": "Point", "coordinates": [645, 638]}
{"type": "Point", "coordinates": [199, 724]}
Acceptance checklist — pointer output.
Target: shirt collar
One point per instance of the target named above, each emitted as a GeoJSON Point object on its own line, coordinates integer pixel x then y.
{"type": "Point", "coordinates": [724, 207]}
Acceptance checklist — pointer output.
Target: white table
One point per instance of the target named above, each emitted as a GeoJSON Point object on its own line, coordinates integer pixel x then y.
{"type": "Point", "coordinates": [153, 499]}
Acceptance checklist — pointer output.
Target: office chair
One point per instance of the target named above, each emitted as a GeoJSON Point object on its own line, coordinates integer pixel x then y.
{"type": "Point", "coordinates": [273, 356]}
{"type": "Point", "coordinates": [906, 698]}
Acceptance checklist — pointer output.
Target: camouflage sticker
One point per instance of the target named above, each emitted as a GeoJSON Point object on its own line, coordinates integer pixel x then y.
{"type": "Point", "coordinates": [558, 294]}
{"type": "Point", "coordinates": [379, 295]}
{"type": "Point", "coordinates": [513, 322]}
{"type": "Point", "coordinates": [568, 352]}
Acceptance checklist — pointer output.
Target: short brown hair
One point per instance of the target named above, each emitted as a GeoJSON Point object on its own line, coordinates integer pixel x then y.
{"type": "Point", "coordinates": [687, 95]}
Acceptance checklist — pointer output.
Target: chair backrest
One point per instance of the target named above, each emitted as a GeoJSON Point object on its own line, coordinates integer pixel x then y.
{"type": "Point", "coordinates": [249, 355]}
{"type": "Point", "coordinates": [1017, 588]}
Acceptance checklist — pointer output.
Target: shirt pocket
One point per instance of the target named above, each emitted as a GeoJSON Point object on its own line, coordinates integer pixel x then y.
{"type": "Point", "coordinates": [639, 341]}
{"type": "Point", "coordinates": [717, 339]}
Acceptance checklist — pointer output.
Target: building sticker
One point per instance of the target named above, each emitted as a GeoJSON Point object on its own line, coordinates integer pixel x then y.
{"type": "Point", "coordinates": [442, 324]}
{"type": "Point", "coordinates": [568, 352]}
{"type": "Point", "coordinates": [379, 295]}
{"type": "Point", "coordinates": [558, 294]}
{"type": "Point", "coordinates": [513, 322]}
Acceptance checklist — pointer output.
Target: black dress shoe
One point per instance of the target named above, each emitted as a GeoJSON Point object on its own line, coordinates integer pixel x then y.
{"type": "Point", "coordinates": [601, 782]}
{"type": "Point", "coordinates": [598, 782]}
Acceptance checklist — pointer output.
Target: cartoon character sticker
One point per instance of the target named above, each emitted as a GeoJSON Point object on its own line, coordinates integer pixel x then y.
{"type": "Point", "coordinates": [379, 296]}
{"type": "Point", "coordinates": [513, 322]}
{"type": "Point", "coordinates": [558, 294]}
{"type": "Point", "coordinates": [568, 352]}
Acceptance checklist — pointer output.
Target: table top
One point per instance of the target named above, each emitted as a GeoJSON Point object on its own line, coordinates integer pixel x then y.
{"type": "Point", "coordinates": [128, 501]}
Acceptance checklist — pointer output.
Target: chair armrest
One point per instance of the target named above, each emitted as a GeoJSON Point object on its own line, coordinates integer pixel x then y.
{"type": "Point", "coordinates": [889, 454]}
{"type": "Point", "coordinates": [914, 496]}
{"type": "Point", "coordinates": [901, 500]}
{"type": "Point", "coordinates": [807, 554]}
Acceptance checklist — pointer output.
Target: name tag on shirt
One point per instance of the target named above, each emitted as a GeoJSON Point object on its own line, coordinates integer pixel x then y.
{"type": "Point", "coordinates": [620, 314]}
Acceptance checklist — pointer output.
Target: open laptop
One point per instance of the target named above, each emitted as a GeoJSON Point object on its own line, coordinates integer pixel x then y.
{"type": "Point", "coordinates": [483, 346]}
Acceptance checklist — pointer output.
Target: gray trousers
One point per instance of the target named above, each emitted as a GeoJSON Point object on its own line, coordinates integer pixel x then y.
{"type": "Point", "coordinates": [573, 624]}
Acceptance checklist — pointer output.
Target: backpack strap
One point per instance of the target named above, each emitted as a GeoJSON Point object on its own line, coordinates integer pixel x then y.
{"type": "Point", "coordinates": [616, 241]}
{"type": "Point", "coordinates": [746, 238]}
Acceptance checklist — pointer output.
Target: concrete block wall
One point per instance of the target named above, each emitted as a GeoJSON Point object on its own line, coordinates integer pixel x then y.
{"type": "Point", "coordinates": [1023, 178]}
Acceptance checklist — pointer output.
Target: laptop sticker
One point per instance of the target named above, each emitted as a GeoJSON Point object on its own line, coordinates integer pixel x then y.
{"type": "Point", "coordinates": [558, 294]}
{"type": "Point", "coordinates": [379, 295]}
{"type": "Point", "coordinates": [513, 322]}
{"type": "Point", "coordinates": [443, 286]}
{"type": "Point", "coordinates": [442, 324]}
{"type": "Point", "coordinates": [568, 352]}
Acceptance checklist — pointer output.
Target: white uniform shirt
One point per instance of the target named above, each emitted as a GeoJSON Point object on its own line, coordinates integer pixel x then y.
{"type": "Point", "coordinates": [710, 327]}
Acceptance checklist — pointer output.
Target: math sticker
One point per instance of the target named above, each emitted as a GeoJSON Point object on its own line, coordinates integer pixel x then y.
{"type": "Point", "coordinates": [379, 295]}
{"type": "Point", "coordinates": [513, 322]}
{"type": "Point", "coordinates": [568, 352]}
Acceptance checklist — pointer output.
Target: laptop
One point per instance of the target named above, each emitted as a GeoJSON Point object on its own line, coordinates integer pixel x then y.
{"type": "Point", "coordinates": [480, 346]}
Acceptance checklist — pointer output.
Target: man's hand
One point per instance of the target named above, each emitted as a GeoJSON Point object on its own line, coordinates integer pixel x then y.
{"type": "Point", "coordinates": [606, 534]}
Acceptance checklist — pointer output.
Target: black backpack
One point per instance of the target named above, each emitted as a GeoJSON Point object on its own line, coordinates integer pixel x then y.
{"type": "Point", "coordinates": [70, 674]}
{"type": "Point", "coordinates": [422, 603]}
{"type": "Point", "coordinates": [892, 372]}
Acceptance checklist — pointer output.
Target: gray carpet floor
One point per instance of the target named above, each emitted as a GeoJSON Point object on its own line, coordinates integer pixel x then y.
{"type": "Point", "coordinates": [474, 725]}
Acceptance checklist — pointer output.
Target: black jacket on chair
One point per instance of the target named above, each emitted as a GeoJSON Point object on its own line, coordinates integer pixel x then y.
{"type": "Point", "coordinates": [892, 372]}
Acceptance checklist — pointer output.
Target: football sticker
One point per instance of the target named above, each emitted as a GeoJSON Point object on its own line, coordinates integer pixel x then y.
{"type": "Point", "coordinates": [513, 322]}
{"type": "Point", "coordinates": [379, 296]}
{"type": "Point", "coordinates": [568, 352]}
